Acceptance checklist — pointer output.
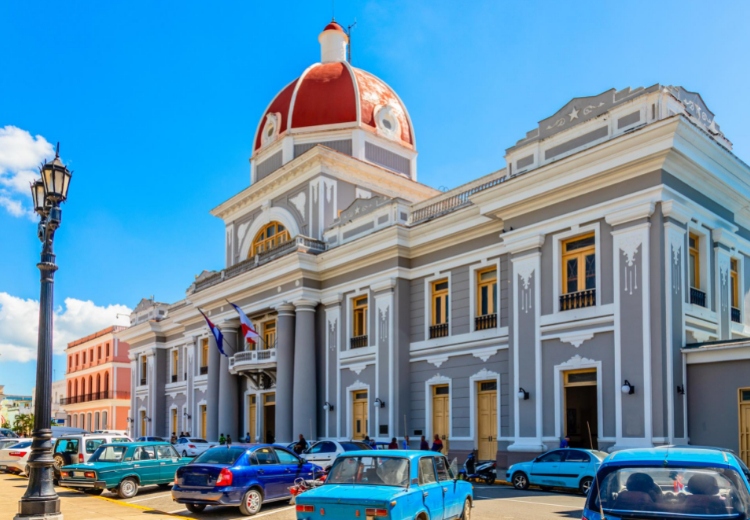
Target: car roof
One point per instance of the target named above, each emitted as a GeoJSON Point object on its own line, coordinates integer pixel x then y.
{"type": "Point", "coordinates": [140, 443]}
{"type": "Point", "coordinates": [665, 456]}
{"type": "Point", "coordinates": [406, 454]}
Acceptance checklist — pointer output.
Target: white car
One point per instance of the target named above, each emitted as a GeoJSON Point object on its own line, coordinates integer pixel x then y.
{"type": "Point", "coordinates": [193, 446]}
{"type": "Point", "coordinates": [14, 458]}
{"type": "Point", "coordinates": [323, 453]}
{"type": "Point", "coordinates": [5, 443]}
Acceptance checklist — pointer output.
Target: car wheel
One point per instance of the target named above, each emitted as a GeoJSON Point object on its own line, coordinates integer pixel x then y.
{"type": "Point", "coordinates": [195, 508]}
{"type": "Point", "coordinates": [466, 513]}
{"type": "Point", "coordinates": [128, 488]}
{"type": "Point", "coordinates": [58, 462]}
{"type": "Point", "coordinates": [585, 485]}
{"type": "Point", "coordinates": [489, 480]}
{"type": "Point", "coordinates": [184, 453]}
{"type": "Point", "coordinates": [251, 502]}
{"type": "Point", "coordinates": [520, 480]}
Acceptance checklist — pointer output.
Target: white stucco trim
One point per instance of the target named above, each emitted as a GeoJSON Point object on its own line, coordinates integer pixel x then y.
{"type": "Point", "coordinates": [357, 385]}
{"type": "Point", "coordinates": [267, 216]}
{"type": "Point", "coordinates": [674, 258]}
{"type": "Point", "coordinates": [384, 305]}
{"type": "Point", "coordinates": [557, 240]}
{"type": "Point", "coordinates": [576, 363]}
{"type": "Point", "coordinates": [482, 375]}
{"type": "Point", "coordinates": [437, 380]}
{"type": "Point", "coordinates": [484, 264]}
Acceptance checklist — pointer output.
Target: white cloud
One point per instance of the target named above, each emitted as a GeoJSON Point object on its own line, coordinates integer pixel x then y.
{"type": "Point", "coordinates": [20, 156]}
{"type": "Point", "coordinates": [19, 320]}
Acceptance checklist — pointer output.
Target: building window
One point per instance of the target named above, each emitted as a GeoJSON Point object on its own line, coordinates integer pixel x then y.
{"type": "Point", "coordinates": [84, 357]}
{"type": "Point", "coordinates": [269, 334]}
{"type": "Point", "coordinates": [105, 424]}
{"type": "Point", "coordinates": [440, 300]}
{"type": "Point", "coordinates": [486, 312]}
{"type": "Point", "coordinates": [204, 356]}
{"type": "Point", "coordinates": [269, 237]}
{"type": "Point", "coordinates": [106, 352]}
{"type": "Point", "coordinates": [697, 296]}
{"type": "Point", "coordinates": [359, 322]}
{"type": "Point", "coordinates": [99, 353]}
{"type": "Point", "coordinates": [579, 272]}
{"type": "Point", "coordinates": [143, 370]}
{"type": "Point", "coordinates": [174, 365]}
{"type": "Point", "coordinates": [70, 363]}
{"type": "Point", "coordinates": [735, 290]}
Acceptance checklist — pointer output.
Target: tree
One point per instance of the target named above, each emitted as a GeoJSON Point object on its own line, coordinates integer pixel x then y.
{"type": "Point", "coordinates": [24, 424]}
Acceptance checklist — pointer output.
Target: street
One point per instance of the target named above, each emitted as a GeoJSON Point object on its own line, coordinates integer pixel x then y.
{"type": "Point", "coordinates": [491, 502]}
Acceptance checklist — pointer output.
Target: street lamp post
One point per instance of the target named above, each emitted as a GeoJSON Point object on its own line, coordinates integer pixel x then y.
{"type": "Point", "coordinates": [40, 499]}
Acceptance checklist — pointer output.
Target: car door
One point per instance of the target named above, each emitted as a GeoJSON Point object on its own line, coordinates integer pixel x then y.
{"type": "Point", "coordinates": [269, 472]}
{"type": "Point", "coordinates": [322, 453]}
{"type": "Point", "coordinates": [169, 461]}
{"type": "Point", "coordinates": [432, 490]}
{"type": "Point", "coordinates": [452, 503]}
{"type": "Point", "coordinates": [146, 465]}
{"type": "Point", "coordinates": [292, 468]}
{"type": "Point", "coordinates": [575, 466]}
{"type": "Point", "coordinates": [546, 469]}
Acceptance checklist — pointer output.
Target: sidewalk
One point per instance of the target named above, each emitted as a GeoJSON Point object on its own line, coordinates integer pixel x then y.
{"type": "Point", "coordinates": [75, 505]}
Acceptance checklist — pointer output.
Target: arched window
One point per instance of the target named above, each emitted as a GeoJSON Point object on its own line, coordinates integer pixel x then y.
{"type": "Point", "coordinates": [91, 389]}
{"type": "Point", "coordinates": [74, 421]}
{"type": "Point", "coordinates": [70, 389]}
{"type": "Point", "coordinates": [88, 422]}
{"type": "Point", "coordinates": [96, 421]}
{"type": "Point", "coordinates": [104, 420]}
{"type": "Point", "coordinates": [83, 386]}
{"type": "Point", "coordinates": [98, 383]}
{"type": "Point", "coordinates": [106, 382]}
{"type": "Point", "coordinates": [270, 236]}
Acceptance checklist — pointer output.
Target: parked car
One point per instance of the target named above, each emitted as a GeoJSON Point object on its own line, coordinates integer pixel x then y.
{"type": "Point", "coordinates": [669, 483]}
{"type": "Point", "coordinates": [323, 453]}
{"type": "Point", "coordinates": [14, 458]}
{"type": "Point", "coordinates": [6, 443]}
{"type": "Point", "coordinates": [244, 475]}
{"type": "Point", "coordinates": [291, 445]}
{"type": "Point", "coordinates": [77, 448]}
{"type": "Point", "coordinates": [6, 432]}
{"type": "Point", "coordinates": [59, 431]}
{"type": "Point", "coordinates": [151, 439]}
{"type": "Point", "coordinates": [123, 467]}
{"type": "Point", "coordinates": [388, 483]}
{"type": "Point", "coordinates": [570, 468]}
{"type": "Point", "coordinates": [192, 446]}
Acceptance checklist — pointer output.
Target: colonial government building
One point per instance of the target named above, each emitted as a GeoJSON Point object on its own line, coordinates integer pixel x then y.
{"type": "Point", "coordinates": [596, 284]}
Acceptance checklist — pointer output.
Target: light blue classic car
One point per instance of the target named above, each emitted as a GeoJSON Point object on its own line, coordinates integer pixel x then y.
{"type": "Point", "coordinates": [123, 467]}
{"type": "Point", "coordinates": [391, 484]}
{"type": "Point", "coordinates": [570, 468]}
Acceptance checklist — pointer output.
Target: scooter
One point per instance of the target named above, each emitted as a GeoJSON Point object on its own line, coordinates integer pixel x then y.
{"type": "Point", "coordinates": [485, 470]}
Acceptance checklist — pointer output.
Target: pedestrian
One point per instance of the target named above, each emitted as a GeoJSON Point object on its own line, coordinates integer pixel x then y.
{"type": "Point", "coordinates": [173, 438]}
{"type": "Point", "coordinates": [565, 442]}
{"type": "Point", "coordinates": [229, 440]}
{"type": "Point", "coordinates": [393, 445]}
{"type": "Point", "coordinates": [437, 444]}
{"type": "Point", "coordinates": [247, 437]}
{"type": "Point", "coordinates": [423, 444]}
{"type": "Point", "coordinates": [270, 437]}
{"type": "Point", "coordinates": [300, 445]}
{"type": "Point", "coordinates": [405, 442]}
{"type": "Point", "coordinates": [222, 439]}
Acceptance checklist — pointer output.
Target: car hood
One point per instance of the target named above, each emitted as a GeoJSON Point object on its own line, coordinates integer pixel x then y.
{"type": "Point", "coordinates": [351, 494]}
{"type": "Point", "coordinates": [523, 466]}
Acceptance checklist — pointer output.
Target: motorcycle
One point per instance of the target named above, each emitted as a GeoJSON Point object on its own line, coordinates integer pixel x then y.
{"type": "Point", "coordinates": [485, 470]}
{"type": "Point", "coordinates": [301, 485]}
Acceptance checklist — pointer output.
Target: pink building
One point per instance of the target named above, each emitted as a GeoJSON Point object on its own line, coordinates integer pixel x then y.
{"type": "Point", "coordinates": [98, 382]}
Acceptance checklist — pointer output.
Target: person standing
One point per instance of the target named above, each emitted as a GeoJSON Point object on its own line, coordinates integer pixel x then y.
{"type": "Point", "coordinates": [405, 443]}
{"type": "Point", "coordinates": [173, 439]}
{"type": "Point", "coordinates": [393, 445]}
{"type": "Point", "coordinates": [229, 440]}
{"type": "Point", "coordinates": [247, 437]}
{"type": "Point", "coordinates": [437, 444]}
{"type": "Point", "coordinates": [300, 445]}
{"type": "Point", "coordinates": [423, 444]}
{"type": "Point", "coordinates": [222, 439]}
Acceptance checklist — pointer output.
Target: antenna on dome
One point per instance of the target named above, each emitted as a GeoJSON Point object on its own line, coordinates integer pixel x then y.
{"type": "Point", "coordinates": [349, 34]}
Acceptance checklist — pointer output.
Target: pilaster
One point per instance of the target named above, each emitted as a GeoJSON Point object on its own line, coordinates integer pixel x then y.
{"type": "Point", "coordinates": [228, 404]}
{"type": "Point", "coordinates": [385, 362]}
{"type": "Point", "coordinates": [305, 402]}
{"type": "Point", "coordinates": [284, 372]}
{"type": "Point", "coordinates": [333, 374]}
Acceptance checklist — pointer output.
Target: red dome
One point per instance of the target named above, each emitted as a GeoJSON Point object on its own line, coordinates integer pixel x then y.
{"type": "Point", "coordinates": [333, 26]}
{"type": "Point", "coordinates": [335, 93]}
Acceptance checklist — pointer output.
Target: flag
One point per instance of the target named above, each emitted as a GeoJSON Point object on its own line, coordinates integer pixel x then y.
{"type": "Point", "coordinates": [247, 327]}
{"type": "Point", "coordinates": [217, 334]}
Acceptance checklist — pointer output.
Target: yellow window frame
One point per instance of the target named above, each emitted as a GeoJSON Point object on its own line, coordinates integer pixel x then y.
{"type": "Point", "coordinates": [174, 362]}
{"type": "Point", "coordinates": [490, 293]}
{"type": "Point", "coordinates": [694, 252]}
{"type": "Point", "coordinates": [440, 301]}
{"type": "Point", "coordinates": [144, 366]}
{"type": "Point", "coordinates": [269, 236]}
{"type": "Point", "coordinates": [359, 316]}
{"type": "Point", "coordinates": [580, 255]}
{"type": "Point", "coordinates": [204, 352]}
{"type": "Point", "coordinates": [568, 373]}
{"type": "Point", "coordinates": [269, 333]}
{"type": "Point", "coordinates": [735, 283]}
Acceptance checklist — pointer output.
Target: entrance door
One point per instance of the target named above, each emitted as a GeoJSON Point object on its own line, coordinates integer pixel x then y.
{"type": "Point", "coordinates": [581, 413]}
{"type": "Point", "coordinates": [251, 416]}
{"type": "Point", "coordinates": [143, 423]}
{"type": "Point", "coordinates": [441, 414]}
{"type": "Point", "coordinates": [359, 414]}
{"type": "Point", "coordinates": [745, 425]}
{"type": "Point", "coordinates": [269, 417]}
{"type": "Point", "coordinates": [487, 419]}
{"type": "Point", "coordinates": [174, 422]}
{"type": "Point", "coordinates": [203, 421]}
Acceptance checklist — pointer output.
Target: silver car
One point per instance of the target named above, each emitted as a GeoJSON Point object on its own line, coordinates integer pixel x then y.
{"type": "Point", "coordinates": [193, 446]}
{"type": "Point", "coordinates": [14, 458]}
{"type": "Point", "coordinates": [323, 453]}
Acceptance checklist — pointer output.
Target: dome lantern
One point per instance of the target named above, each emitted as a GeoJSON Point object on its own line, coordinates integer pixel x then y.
{"type": "Point", "coordinates": [333, 41]}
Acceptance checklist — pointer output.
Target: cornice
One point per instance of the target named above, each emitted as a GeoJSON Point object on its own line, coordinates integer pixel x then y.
{"type": "Point", "coordinates": [635, 212]}
{"type": "Point", "coordinates": [522, 242]}
{"type": "Point", "coordinates": [676, 210]}
{"type": "Point", "coordinates": [385, 285]}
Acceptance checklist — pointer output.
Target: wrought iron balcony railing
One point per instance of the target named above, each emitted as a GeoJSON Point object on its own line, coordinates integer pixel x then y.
{"type": "Point", "coordinates": [95, 396]}
{"type": "Point", "coordinates": [174, 378]}
{"type": "Point", "coordinates": [578, 300]}
{"type": "Point", "coordinates": [203, 371]}
{"type": "Point", "coordinates": [358, 341]}
{"type": "Point", "coordinates": [143, 381]}
{"type": "Point", "coordinates": [697, 297]}
{"type": "Point", "coordinates": [488, 321]}
{"type": "Point", "coordinates": [438, 331]}
{"type": "Point", "coordinates": [253, 357]}
{"type": "Point", "coordinates": [736, 315]}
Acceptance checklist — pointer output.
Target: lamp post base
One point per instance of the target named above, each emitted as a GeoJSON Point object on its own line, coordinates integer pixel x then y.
{"type": "Point", "coordinates": [50, 516]}
{"type": "Point", "coordinates": [39, 510]}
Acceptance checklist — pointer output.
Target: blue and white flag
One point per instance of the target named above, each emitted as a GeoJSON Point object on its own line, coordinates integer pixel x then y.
{"type": "Point", "coordinates": [218, 336]}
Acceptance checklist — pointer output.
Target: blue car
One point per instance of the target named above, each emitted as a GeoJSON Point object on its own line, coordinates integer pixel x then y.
{"type": "Point", "coordinates": [388, 484]}
{"type": "Point", "coordinates": [570, 468]}
{"type": "Point", "coordinates": [244, 475]}
{"type": "Point", "coordinates": [679, 483]}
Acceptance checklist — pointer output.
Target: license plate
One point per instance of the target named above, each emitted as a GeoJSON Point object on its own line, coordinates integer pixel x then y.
{"type": "Point", "coordinates": [195, 480]}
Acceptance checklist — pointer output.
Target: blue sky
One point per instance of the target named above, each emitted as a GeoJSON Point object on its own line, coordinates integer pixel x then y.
{"type": "Point", "coordinates": [156, 105]}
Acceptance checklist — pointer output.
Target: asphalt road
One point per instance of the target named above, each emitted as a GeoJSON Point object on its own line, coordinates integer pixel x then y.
{"type": "Point", "coordinates": [491, 503]}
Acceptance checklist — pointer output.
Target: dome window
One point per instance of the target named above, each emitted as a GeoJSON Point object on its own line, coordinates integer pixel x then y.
{"type": "Point", "coordinates": [270, 128]}
{"type": "Point", "coordinates": [387, 122]}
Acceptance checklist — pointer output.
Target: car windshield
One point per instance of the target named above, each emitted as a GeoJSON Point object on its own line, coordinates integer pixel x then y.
{"type": "Point", "coordinates": [219, 455]}
{"type": "Point", "coordinates": [674, 492]}
{"type": "Point", "coordinates": [372, 471]}
{"type": "Point", "coordinates": [354, 446]}
{"type": "Point", "coordinates": [599, 454]}
{"type": "Point", "coordinates": [199, 441]}
{"type": "Point", "coordinates": [109, 453]}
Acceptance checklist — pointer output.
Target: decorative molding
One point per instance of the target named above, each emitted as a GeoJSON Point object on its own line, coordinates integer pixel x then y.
{"type": "Point", "coordinates": [576, 339]}
{"type": "Point", "coordinates": [361, 193]}
{"type": "Point", "coordinates": [485, 354]}
{"type": "Point", "coordinates": [724, 264]}
{"type": "Point", "coordinates": [299, 202]}
{"type": "Point", "coordinates": [357, 369]}
{"type": "Point", "coordinates": [635, 212]}
{"type": "Point", "coordinates": [577, 362]}
{"type": "Point", "coordinates": [332, 336]}
{"type": "Point", "coordinates": [517, 244]}
{"type": "Point", "coordinates": [485, 374]}
{"type": "Point", "coordinates": [437, 360]}
{"type": "Point", "coordinates": [629, 245]}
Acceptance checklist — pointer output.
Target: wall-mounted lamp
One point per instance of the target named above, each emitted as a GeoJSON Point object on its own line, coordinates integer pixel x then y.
{"type": "Point", "coordinates": [378, 403]}
{"type": "Point", "coordinates": [131, 420]}
{"type": "Point", "coordinates": [328, 407]}
{"type": "Point", "coordinates": [627, 388]}
{"type": "Point", "coordinates": [523, 395]}
{"type": "Point", "coordinates": [681, 389]}
{"type": "Point", "coordinates": [147, 418]}
{"type": "Point", "coordinates": [185, 414]}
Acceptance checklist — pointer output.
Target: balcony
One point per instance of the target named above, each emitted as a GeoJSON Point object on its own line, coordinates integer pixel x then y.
{"type": "Point", "coordinates": [697, 297]}
{"type": "Point", "coordinates": [143, 381]}
{"type": "Point", "coordinates": [203, 371]}
{"type": "Point", "coordinates": [174, 378]}
{"type": "Point", "coordinates": [578, 300]}
{"type": "Point", "coordinates": [257, 365]}
{"type": "Point", "coordinates": [358, 341]}
{"type": "Point", "coordinates": [736, 315]}
{"type": "Point", "coordinates": [438, 331]}
{"type": "Point", "coordinates": [95, 396]}
{"type": "Point", "coordinates": [488, 321]}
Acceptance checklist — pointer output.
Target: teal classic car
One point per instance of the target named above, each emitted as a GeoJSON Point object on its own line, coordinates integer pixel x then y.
{"type": "Point", "coordinates": [389, 484]}
{"type": "Point", "coordinates": [123, 467]}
